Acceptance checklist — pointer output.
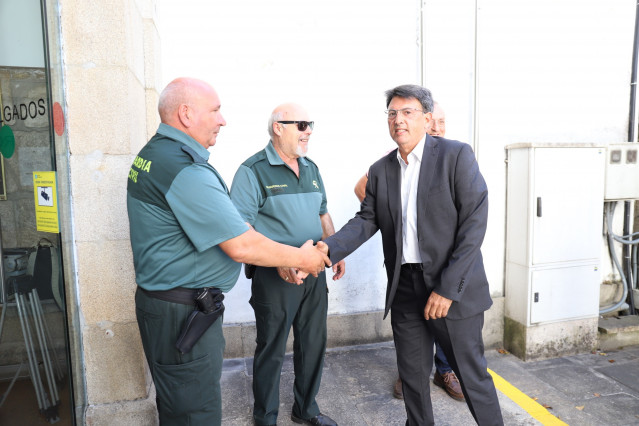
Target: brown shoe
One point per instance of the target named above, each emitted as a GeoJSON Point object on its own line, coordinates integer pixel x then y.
{"type": "Point", "coordinates": [450, 384]}
{"type": "Point", "coordinates": [398, 392]}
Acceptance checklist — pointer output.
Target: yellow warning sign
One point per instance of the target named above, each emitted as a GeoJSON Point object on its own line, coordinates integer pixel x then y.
{"type": "Point", "coordinates": [46, 202]}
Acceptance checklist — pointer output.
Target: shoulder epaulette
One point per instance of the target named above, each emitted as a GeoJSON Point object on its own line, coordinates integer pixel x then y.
{"type": "Point", "coordinates": [310, 161]}
{"type": "Point", "coordinates": [255, 158]}
{"type": "Point", "coordinates": [194, 155]}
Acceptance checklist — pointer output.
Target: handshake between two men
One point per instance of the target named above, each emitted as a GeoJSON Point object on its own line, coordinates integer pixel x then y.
{"type": "Point", "coordinates": [297, 275]}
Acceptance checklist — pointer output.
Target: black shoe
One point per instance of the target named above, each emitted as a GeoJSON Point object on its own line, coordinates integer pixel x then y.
{"type": "Point", "coordinates": [319, 420]}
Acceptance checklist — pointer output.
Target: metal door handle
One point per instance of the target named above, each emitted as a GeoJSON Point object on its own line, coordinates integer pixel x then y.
{"type": "Point", "coordinates": [538, 206]}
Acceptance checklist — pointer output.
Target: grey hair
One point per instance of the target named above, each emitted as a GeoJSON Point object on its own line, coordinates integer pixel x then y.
{"type": "Point", "coordinates": [276, 116]}
{"type": "Point", "coordinates": [407, 91]}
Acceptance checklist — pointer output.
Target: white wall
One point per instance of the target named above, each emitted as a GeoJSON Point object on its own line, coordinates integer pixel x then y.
{"type": "Point", "coordinates": [548, 72]}
{"type": "Point", "coordinates": [21, 43]}
{"type": "Point", "coordinates": [542, 71]}
{"type": "Point", "coordinates": [334, 57]}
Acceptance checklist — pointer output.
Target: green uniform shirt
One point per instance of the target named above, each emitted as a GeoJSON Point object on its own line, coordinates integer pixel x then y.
{"type": "Point", "coordinates": [278, 204]}
{"type": "Point", "coordinates": [179, 211]}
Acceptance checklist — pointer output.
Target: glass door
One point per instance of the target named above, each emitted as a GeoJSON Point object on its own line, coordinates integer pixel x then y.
{"type": "Point", "coordinates": [35, 382]}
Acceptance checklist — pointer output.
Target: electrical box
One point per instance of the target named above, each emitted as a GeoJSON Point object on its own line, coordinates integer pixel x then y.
{"type": "Point", "coordinates": [622, 172]}
{"type": "Point", "coordinates": [554, 214]}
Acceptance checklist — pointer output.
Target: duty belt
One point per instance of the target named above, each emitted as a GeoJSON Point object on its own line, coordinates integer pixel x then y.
{"type": "Point", "coordinates": [184, 296]}
{"type": "Point", "coordinates": [208, 308]}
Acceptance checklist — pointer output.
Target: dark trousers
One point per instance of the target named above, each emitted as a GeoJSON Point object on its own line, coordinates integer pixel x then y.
{"type": "Point", "coordinates": [278, 305]}
{"type": "Point", "coordinates": [462, 343]}
{"type": "Point", "coordinates": [187, 386]}
{"type": "Point", "coordinates": [441, 363]}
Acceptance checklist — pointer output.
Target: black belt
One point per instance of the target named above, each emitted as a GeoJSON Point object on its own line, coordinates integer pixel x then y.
{"type": "Point", "coordinates": [184, 296]}
{"type": "Point", "coordinates": [413, 266]}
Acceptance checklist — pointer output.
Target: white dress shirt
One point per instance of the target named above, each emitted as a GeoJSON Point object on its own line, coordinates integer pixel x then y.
{"type": "Point", "coordinates": [410, 180]}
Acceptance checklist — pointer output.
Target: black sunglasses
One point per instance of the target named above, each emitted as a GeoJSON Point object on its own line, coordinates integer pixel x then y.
{"type": "Point", "coordinates": [301, 125]}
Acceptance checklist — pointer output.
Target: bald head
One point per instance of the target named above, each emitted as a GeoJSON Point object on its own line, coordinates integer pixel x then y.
{"type": "Point", "coordinates": [192, 106]}
{"type": "Point", "coordinates": [287, 139]}
{"type": "Point", "coordinates": [183, 90]}
{"type": "Point", "coordinates": [438, 123]}
{"type": "Point", "coordinates": [281, 112]}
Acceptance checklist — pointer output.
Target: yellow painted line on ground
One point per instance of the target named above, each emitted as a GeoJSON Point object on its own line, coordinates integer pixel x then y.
{"type": "Point", "coordinates": [536, 410]}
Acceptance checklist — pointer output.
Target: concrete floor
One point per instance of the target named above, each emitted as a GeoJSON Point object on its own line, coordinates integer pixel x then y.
{"type": "Point", "coordinates": [21, 406]}
{"type": "Point", "coordinates": [588, 389]}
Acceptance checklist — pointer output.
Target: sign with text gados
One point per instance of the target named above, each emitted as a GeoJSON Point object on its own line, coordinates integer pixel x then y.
{"type": "Point", "coordinates": [46, 202]}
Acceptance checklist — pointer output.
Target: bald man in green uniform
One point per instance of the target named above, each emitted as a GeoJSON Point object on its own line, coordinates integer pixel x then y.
{"type": "Point", "coordinates": [281, 193]}
{"type": "Point", "coordinates": [188, 241]}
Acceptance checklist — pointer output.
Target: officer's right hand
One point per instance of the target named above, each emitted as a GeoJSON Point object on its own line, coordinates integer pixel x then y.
{"type": "Point", "coordinates": [314, 260]}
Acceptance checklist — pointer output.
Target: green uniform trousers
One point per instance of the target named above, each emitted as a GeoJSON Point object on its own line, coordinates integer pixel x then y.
{"type": "Point", "coordinates": [187, 386]}
{"type": "Point", "coordinates": [278, 305]}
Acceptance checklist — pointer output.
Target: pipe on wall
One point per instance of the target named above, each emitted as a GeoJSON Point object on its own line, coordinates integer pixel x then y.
{"type": "Point", "coordinates": [632, 135]}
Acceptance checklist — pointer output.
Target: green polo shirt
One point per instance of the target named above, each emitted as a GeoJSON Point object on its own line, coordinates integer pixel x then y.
{"type": "Point", "coordinates": [179, 211]}
{"type": "Point", "coordinates": [270, 196]}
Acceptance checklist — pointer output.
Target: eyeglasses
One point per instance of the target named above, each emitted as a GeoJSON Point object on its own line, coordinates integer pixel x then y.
{"type": "Point", "coordinates": [406, 113]}
{"type": "Point", "coordinates": [301, 125]}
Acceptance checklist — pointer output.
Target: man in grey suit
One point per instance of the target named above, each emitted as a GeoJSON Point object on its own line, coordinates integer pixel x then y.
{"type": "Point", "coordinates": [430, 202]}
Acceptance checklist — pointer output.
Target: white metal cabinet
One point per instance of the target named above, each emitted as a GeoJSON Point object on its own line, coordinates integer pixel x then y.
{"type": "Point", "coordinates": [564, 292]}
{"type": "Point", "coordinates": [553, 233]}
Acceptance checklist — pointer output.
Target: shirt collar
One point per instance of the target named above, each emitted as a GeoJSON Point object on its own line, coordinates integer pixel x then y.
{"type": "Point", "coordinates": [416, 153]}
{"type": "Point", "coordinates": [180, 136]}
{"type": "Point", "coordinates": [275, 159]}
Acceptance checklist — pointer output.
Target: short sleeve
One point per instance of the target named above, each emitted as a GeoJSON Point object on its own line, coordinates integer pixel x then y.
{"type": "Point", "coordinates": [200, 202]}
{"type": "Point", "coordinates": [323, 206]}
{"type": "Point", "coordinates": [246, 194]}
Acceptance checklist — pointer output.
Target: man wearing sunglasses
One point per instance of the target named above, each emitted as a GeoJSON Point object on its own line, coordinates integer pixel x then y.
{"type": "Point", "coordinates": [279, 191]}
{"type": "Point", "coordinates": [430, 202]}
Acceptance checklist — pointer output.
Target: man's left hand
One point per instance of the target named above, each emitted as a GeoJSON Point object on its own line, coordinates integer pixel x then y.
{"type": "Point", "coordinates": [437, 306]}
{"type": "Point", "coordinates": [292, 275]}
{"type": "Point", "coordinates": [338, 270]}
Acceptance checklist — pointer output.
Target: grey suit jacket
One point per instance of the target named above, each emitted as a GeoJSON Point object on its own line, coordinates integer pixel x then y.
{"type": "Point", "coordinates": [452, 210]}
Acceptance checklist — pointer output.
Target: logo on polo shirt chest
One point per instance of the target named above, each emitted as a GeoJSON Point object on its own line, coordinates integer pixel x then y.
{"type": "Point", "coordinates": [276, 189]}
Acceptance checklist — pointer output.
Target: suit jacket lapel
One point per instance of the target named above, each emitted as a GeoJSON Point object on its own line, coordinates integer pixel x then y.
{"type": "Point", "coordinates": [429, 159]}
{"type": "Point", "coordinates": [393, 186]}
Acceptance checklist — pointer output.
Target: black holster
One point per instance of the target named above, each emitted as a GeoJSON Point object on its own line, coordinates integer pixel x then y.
{"type": "Point", "coordinates": [249, 270]}
{"type": "Point", "coordinates": [209, 308]}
